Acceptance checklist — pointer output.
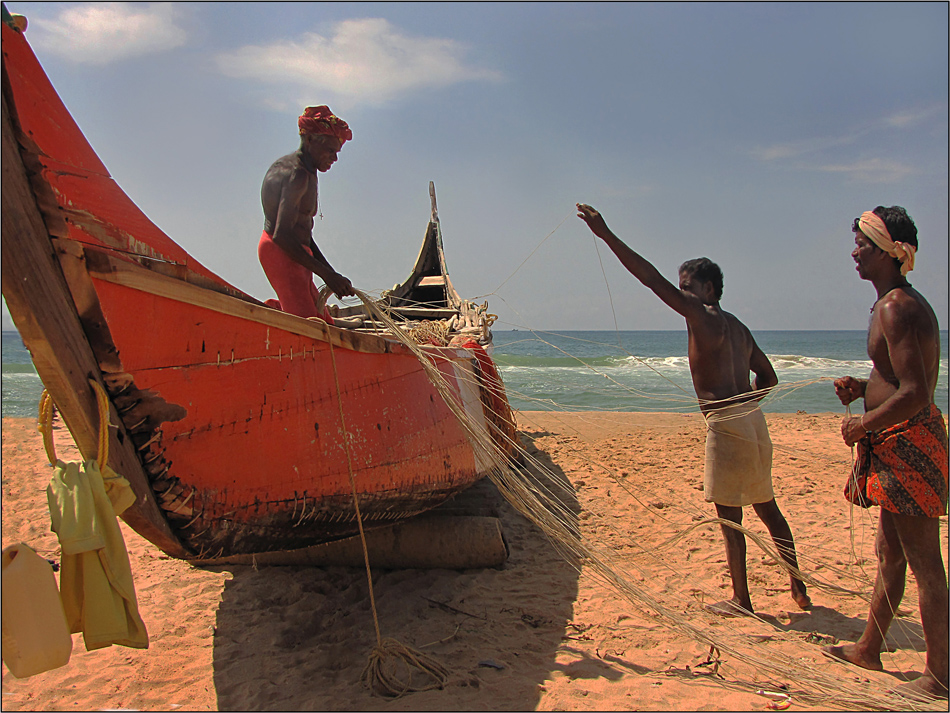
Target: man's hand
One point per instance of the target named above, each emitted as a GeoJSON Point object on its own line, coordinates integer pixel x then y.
{"type": "Point", "coordinates": [595, 221]}
{"type": "Point", "coordinates": [849, 389]}
{"type": "Point", "coordinates": [852, 430]}
{"type": "Point", "coordinates": [340, 285]}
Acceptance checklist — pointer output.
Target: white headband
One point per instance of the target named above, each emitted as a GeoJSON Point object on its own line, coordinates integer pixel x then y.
{"type": "Point", "coordinates": [873, 227]}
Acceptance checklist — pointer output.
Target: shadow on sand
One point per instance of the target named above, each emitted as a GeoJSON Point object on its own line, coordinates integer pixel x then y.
{"type": "Point", "coordinates": [831, 626]}
{"type": "Point", "coordinates": [298, 638]}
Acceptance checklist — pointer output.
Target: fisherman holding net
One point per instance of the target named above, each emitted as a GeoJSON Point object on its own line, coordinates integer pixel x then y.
{"type": "Point", "coordinates": [287, 251]}
{"type": "Point", "coordinates": [902, 446]}
{"type": "Point", "coordinates": [722, 353]}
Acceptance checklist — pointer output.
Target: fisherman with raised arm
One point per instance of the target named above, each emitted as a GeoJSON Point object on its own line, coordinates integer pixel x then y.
{"type": "Point", "coordinates": [287, 251]}
{"type": "Point", "coordinates": [722, 353]}
{"type": "Point", "coordinates": [901, 437]}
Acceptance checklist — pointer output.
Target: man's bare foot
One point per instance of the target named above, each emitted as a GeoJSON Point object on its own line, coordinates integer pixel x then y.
{"type": "Point", "coordinates": [850, 654]}
{"type": "Point", "coordinates": [923, 688]}
{"type": "Point", "coordinates": [729, 608]}
{"type": "Point", "coordinates": [802, 600]}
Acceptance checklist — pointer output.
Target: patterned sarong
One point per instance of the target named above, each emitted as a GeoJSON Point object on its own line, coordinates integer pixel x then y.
{"type": "Point", "coordinates": [904, 468]}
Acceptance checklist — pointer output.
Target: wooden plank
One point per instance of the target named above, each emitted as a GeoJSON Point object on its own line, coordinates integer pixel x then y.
{"type": "Point", "coordinates": [425, 312]}
{"type": "Point", "coordinates": [46, 318]}
{"type": "Point", "coordinates": [430, 541]}
{"type": "Point", "coordinates": [103, 266]}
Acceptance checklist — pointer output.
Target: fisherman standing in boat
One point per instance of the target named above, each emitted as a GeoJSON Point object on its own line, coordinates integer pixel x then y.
{"type": "Point", "coordinates": [902, 446]}
{"type": "Point", "coordinates": [287, 251]}
{"type": "Point", "coordinates": [722, 352]}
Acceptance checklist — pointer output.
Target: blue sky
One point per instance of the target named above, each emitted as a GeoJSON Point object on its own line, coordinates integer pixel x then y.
{"type": "Point", "coordinates": [749, 133]}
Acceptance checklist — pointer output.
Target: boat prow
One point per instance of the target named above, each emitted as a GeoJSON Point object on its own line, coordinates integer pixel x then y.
{"type": "Point", "coordinates": [242, 429]}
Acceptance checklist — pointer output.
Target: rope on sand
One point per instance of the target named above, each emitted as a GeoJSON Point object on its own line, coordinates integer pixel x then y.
{"type": "Point", "coordinates": [532, 490]}
{"type": "Point", "coordinates": [383, 675]}
{"type": "Point", "coordinates": [382, 671]}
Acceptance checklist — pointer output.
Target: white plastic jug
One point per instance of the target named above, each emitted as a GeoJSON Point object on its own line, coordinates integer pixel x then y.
{"type": "Point", "coordinates": [34, 631]}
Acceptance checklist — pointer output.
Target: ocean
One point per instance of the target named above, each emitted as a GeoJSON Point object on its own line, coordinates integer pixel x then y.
{"type": "Point", "coordinates": [615, 371]}
{"type": "Point", "coordinates": [649, 371]}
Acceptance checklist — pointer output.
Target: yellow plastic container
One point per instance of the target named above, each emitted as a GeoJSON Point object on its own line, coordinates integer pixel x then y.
{"type": "Point", "coordinates": [34, 631]}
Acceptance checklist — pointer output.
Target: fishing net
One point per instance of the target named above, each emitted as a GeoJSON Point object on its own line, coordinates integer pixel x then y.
{"type": "Point", "coordinates": [536, 492]}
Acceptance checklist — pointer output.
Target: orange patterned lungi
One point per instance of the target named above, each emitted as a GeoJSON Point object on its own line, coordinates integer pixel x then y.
{"type": "Point", "coordinates": [904, 468]}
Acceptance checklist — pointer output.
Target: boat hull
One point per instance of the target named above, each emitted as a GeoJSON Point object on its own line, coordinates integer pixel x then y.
{"type": "Point", "coordinates": [274, 423]}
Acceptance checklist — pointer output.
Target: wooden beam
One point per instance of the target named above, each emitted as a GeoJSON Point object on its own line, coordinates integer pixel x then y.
{"type": "Point", "coordinates": [428, 541]}
{"type": "Point", "coordinates": [103, 266]}
{"type": "Point", "coordinates": [46, 318]}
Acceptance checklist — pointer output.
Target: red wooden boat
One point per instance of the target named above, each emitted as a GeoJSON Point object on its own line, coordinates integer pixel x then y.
{"type": "Point", "coordinates": [227, 416]}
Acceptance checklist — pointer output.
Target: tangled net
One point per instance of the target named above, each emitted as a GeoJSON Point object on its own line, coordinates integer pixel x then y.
{"type": "Point", "coordinates": [531, 489]}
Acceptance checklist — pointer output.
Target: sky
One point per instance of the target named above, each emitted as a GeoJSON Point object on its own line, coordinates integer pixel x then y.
{"type": "Point", "coordinates": [752, 134]}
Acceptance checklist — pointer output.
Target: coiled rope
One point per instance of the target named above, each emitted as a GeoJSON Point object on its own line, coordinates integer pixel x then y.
{"type": "Point", "coordinates": [45, 424]}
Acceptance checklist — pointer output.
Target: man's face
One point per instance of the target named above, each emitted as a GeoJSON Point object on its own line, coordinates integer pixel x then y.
{"type": "Point", "coordinates": [702, 290]}
{"type": "Point", "coordinates": [864, 254]}
{"type": "Point", "coordinates": [323, 150]}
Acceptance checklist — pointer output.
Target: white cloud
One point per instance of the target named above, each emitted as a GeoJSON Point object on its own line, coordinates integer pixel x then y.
{"type": "Point", "coordinates": [793, 149]}
{"type": "Point", "coordinates": [911, 117]}
{"type": "Point", "coordinates": [100, 33]}
{"type": "Point", "coordinates": [899, 120]}
{"type": "Point", "coordinates": [780, 151]}
{"type": "Point", "coordinates": [868, 170]}
{"type": "Point", "coordinates": [873, 170]}
{"type": "Point", "coordinates": [365, 60]}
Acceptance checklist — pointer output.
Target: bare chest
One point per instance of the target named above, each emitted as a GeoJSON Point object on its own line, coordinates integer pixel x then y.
{"type": "Point", "coordinates": [878, 351]}
{"type": "Point", "coordinates": [310, 198]}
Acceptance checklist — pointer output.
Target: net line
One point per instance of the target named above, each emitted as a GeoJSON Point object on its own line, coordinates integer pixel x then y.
{"type": "Point", "coordinates": [531, 491]}
{"type": "Point", "coordinates": [776, 393]}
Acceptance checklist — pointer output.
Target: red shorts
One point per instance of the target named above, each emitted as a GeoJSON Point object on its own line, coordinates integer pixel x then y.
{"type": "Point", "coordinates": [293, 283]}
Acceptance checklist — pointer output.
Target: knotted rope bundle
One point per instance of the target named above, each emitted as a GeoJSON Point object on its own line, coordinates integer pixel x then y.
{"type": "Point", "coordinates": [383, 674]}
{"type": "Point", "coordinates": [430, 332]}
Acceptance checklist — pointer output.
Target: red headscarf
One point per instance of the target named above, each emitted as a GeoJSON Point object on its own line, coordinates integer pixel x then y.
{"type": "Point", "coordinates": [320, 120]}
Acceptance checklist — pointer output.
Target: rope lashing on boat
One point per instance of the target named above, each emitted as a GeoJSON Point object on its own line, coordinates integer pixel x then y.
{"type": "Point", "coordinates": [45, 424]}
{"type": "Point", "coordinates": [380, 673]}
{"type": "Point", "coordinates": [430, 332]}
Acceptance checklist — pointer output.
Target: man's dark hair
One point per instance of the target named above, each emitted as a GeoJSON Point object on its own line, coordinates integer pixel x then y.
{"type": "Point", "coordinates": [704, 270]}
{"type": "Point", "coordinates": [899, 224]}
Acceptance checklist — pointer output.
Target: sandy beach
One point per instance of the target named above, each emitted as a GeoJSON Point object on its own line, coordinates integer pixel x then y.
{"type": "Point", "coordinates": [536, 634]}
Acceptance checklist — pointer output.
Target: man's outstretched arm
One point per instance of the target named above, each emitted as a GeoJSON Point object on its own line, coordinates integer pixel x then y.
{"type": "Point", "coordinates": [640, 267]}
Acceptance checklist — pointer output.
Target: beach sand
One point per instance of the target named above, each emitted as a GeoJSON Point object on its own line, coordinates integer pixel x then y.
{"type": "Point", "coordinates": [535, 634]}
